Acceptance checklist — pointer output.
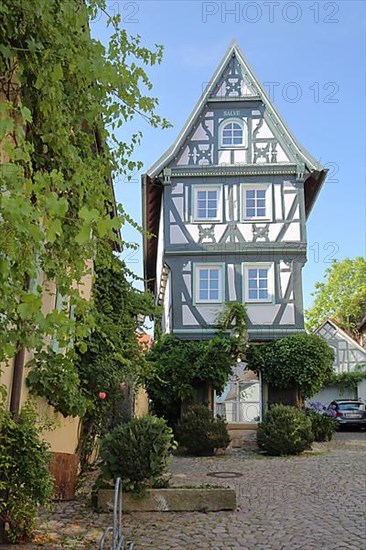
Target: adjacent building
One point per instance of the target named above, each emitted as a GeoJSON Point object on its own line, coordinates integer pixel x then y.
{"type": "Point", "coordinates": [349, 356]}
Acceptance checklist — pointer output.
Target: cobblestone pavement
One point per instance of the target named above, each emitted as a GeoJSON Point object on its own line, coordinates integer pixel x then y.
{"type": "Point", "coordinates": [309, 502]}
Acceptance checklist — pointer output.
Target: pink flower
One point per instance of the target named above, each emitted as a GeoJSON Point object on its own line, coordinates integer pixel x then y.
{"type": "Point", "coordinates": [122, 385]}
{"type": "Point", "coordinates": [102, 395]}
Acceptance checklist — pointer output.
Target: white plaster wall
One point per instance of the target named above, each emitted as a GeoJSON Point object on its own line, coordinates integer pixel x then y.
{"type": "Point", "coordinates": [289, 200]}
{"type": "Point", "coordinates": [210, 312]}
{"type": "Point", "coordinates": [264, 131]}
{"type": "Point", "coordinates": [177, 235]}
{"type": "Point", "coordinates": [178, 203]}
{"type": "Point", "coordinates": [284, 281]}
{"type": "Point", "coordinates": [224, 157]}
{"type": "Point", "coordinates": [262, 314]}
{"type": "Point", "coordinates": [326, 395]}
{"type": "Point", "coordinates": [278, 202]}
{"type": "Point", "coordinates": [288, 317]}
{"type": "Point", "coordinates": [187, 317]}
{"type": "Point", "coordinates": [240, 156]}
{"type": "Point", "coordinates": [281, 155]}
{"type": "Point", "coordinates": [177, 189]}
{"type": "Point", "coordinates": [183, 159]}
{"type": "Point", "coordinates": [231, 282]}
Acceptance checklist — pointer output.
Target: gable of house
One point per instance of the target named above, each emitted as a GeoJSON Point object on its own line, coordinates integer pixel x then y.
{"type": "Point", "coordinates": [227, 204]}
{"type": "Point", "coordinates": [348, 354]}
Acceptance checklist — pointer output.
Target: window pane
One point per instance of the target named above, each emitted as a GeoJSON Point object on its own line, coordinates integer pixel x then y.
{"type": "Point", "coordinates": [250, 194]}
{"type": "Point", "coordinates": [261, 194]}
{"type": "Point", "coordinates": [214, 295]}
{"type": "Point", "coordinates": [261, 203]}
{"type": "Point", "coordinates": [252, 283]}
{"type": "Point", "coordinates": [252, 294]}
{"type": "Point", "coordinates": [261, 212]}
{"type": "Point", "coordinates": [263, 273]}
{"type": "Point", "coordinates": [252, 273]}
{"type": "Point", "coordinates": [212, 195]}
{"type": "Point", "coordinates": [263, 283]}
{"type": "Point", "coordinates": [201, 195]}
{"type": "Point", "coordinates": [203, 294]}
{"type": "Point", "coordinates": [204, 273]}
{"type": "Point", "coordinates": [250, 203]}
{"type": "Point", "coordinates": [263, 294]}
{"type": "Point", "coordinates": [250, 212]}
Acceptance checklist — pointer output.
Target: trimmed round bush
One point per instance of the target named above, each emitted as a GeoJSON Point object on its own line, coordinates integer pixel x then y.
{"type": "Point", "coordinates": [323, 426]}
{"type": "Point", "coordinates": [285, 431]}
{"type": "Point", "coordinates": [138, 452]}
{"type": "Point", "coordinates": [200, 433]}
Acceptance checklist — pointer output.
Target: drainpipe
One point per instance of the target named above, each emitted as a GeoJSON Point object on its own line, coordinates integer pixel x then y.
{"type": "Point", "coordinates": [16, 388]}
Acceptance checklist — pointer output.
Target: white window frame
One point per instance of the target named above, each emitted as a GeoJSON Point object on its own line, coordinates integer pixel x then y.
{"type": "Point", "coordinates": [196, 189]}
{"type": "Point", "coordinates": [196, 287]}
{"type": "Point", "coordinates": [243, 126]}
{"type": "Point", "coordinates": [267, 187]}
{"type": "Point", "coordinates": [270, 280]}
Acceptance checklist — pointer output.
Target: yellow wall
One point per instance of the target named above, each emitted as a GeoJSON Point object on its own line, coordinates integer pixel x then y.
{"type": "Point", "coordinates": [141, 402]}
{"type": "Point", "coordinates": [63, 437]}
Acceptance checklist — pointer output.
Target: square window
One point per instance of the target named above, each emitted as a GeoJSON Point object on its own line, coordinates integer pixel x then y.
{"type": "Point", "coordinates": [209, 284]}
{"type": "Point", "coordinates": [206, 203]}
{"type": "Point", "coordinates": [256, 202]}
{"type": "Point", "coordinates": [258, 283]}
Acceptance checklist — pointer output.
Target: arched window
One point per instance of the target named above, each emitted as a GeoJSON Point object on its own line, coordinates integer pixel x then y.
{"type": "Point", "coordinates": [232, 134]}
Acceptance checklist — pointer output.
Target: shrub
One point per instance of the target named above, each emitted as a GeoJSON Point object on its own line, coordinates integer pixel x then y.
{"type": "Point", "coordinates": [200, 433]}
{"type": "Point", "coordinates": [138, 452]}
{"type": "Point", "coordinates": [25, 481]}
{"type": "Point", "coordinates": [284, 431]}
{"type": "Point", "coordinates": [303, 361]}
{"type": "Point", "coordinates": [323, 423]}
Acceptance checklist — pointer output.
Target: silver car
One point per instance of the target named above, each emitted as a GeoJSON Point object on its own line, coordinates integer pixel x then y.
{"type": "Point", "coordinates": [349, 412]}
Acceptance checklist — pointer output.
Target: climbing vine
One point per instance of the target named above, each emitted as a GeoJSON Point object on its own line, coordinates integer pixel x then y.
{"type": "Point", "coordinates": [111, 367]}
{"type": "Point", "coordinates": [63, 97]}
{"type": "Point", "coordinates": [178, 369]}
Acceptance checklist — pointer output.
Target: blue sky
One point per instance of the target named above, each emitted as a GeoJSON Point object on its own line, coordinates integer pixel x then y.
{"type": "Point", "coordinates": [312, 56]}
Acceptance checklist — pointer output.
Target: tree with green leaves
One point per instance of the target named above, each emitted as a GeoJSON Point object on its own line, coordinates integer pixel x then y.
{"type": "Point", "coordinates": [301, 361]}
{"type": "Point", "coordinates": [63, 97]}
{"type": "Point", "coordinates": [341, 297]}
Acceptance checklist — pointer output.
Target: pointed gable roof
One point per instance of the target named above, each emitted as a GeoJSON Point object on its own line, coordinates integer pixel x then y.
{"type": "Point", "coordinates": [343, 334]}
{"type": "Point", "coordinates": [235, 61]}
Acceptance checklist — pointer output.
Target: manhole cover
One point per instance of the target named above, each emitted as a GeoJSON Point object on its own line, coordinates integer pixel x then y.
{"type": "Point", "coordinates": [225, 475]}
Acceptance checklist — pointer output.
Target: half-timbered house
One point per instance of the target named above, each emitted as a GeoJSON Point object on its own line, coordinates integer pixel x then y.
{"type": "Point", "coordinates": [349, 356]}
{"type": "Point", "coordinates": [228, 204]}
